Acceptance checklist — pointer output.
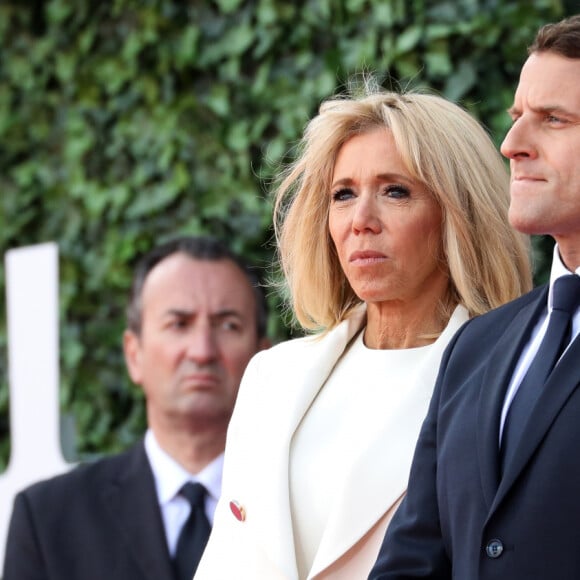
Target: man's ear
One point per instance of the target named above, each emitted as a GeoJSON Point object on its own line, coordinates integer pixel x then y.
{"type": "Point", "coordinates": [132, 350]}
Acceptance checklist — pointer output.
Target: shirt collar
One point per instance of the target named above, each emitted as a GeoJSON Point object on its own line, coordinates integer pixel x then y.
{"type": "Point", "coordinates": [558, 270]}
{"type": "Point", "coordinates": [170, 476]}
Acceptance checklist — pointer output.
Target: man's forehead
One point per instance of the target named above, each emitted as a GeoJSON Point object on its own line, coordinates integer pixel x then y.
{"type": "Point", "coordinates": [213, 313]}
{"type": "Point", "coordinates": [549, 81]}
{"type": "Point", "coordinates": [186, 283]}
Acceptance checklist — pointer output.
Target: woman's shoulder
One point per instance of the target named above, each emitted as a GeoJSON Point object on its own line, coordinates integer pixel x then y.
{"type": "Point", "coordinates": [292, 347]}
{"type": "Point", "coordinates": [316, 341]}
{"type": "Point", "coordinates": [295, 353]}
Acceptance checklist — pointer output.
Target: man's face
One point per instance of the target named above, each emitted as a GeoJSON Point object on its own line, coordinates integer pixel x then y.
{"type": "Point", "coordinates": [198, 334]}
{"type": "Point", "coordinates": [543, 145]}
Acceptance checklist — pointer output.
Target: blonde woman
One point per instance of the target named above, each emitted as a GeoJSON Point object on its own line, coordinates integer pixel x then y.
{"type": "Point", "coordinates": [392, 231]}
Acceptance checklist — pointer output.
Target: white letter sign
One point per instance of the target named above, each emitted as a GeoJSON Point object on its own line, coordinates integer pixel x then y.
{"type": "Point", "coordinates": [33, 373]}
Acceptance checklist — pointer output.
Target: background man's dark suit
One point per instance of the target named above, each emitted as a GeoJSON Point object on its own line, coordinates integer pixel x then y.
{"type": "Point", "coordinates": [197, 314]}
{"type": "Point", "coordinates": [469, 516]}
{"type": "Point", "coordinates": [99, 521]}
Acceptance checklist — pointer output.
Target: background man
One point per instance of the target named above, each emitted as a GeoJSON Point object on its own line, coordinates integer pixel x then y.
{"type": "Point", "coordinates": [196, 316]}
{"type": "Point", "coordinates": [494, 488]}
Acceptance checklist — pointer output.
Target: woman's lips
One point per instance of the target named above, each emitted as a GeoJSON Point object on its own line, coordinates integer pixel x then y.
{"type": "Point", "coordinates": [367, 257]}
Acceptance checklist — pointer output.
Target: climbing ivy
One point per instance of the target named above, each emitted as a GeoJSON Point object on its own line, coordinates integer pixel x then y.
{"type": "Point", "coordinates": [126, 122]}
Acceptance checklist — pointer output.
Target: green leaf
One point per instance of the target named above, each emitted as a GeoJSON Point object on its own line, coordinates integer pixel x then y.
{"type": "Point", "coordinates": [460, 81]}
{"type": "Point", "coordinates": [408, 40]}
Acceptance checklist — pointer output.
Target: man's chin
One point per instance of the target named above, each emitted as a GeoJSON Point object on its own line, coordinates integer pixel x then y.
{"type": "Point", "coordinates": [203, 412]}
{"type": "Point", "coordinates": [526, 224]}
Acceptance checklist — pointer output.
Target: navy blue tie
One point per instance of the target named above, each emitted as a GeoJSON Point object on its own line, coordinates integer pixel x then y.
{"type": "Point", "coordinates": [566, 299]}
{"type": "Point", "coordinates": [194, 534]}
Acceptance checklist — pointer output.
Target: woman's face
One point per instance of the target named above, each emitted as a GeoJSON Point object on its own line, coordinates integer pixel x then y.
{"type": "Point", "coordinates": [385, 225]}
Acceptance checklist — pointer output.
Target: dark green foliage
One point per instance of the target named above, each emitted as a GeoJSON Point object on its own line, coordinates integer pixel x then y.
{"type": "Point", "coordinates": [126, 122]}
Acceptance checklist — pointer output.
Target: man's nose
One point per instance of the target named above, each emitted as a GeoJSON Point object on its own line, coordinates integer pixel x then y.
{"type": "Point", "coordinates": [202, 346]}
{"type": "Point", "coordinates": [519, 141]}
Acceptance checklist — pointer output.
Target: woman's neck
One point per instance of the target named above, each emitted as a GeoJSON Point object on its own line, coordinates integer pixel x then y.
{"type": "Point", "coordinates": [397, 325]}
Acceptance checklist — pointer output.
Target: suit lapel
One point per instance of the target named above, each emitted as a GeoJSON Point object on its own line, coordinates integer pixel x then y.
{"type": "Point", "coordinates": [560, 385]}
{"type": "Point", "coordinates": [496, 379]}
{"type": "Point", "coordinates": [131, 501]}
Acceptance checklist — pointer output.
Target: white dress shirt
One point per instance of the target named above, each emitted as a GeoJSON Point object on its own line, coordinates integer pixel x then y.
{"type": "Point", "coordinates": [169, 478]}
{"type": "Point", "coordinates": [531, 348]}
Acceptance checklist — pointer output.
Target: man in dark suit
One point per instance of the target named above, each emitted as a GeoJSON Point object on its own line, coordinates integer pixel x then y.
{"type": "Point", "coordinates": [196, 316]}
{"type": "Point", "coordinates": [494, 491]}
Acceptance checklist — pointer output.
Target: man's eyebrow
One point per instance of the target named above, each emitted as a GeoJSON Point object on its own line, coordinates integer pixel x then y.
{"type": "Point", "coordinates": [179, 312]}
{"type": "Point", "coordinates": [557, 109]}
{"type": "Point", "coordinates": [226, 313]}
{"type": "Point", "coordinates": [186, 313]}
{"type": "Point", "coordinates": [514, 111]}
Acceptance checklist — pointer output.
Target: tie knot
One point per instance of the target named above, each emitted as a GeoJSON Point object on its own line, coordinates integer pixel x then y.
{"type": "Point", "coordinates": [566, 293]}
{"type": "Point", "coordinates": [194, 493]}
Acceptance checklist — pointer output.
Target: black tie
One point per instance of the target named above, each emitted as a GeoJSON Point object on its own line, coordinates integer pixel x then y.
{"type": "Point", "coordinates": [566, 298]}
{"type": "Point", "coordinates": [194, 533]}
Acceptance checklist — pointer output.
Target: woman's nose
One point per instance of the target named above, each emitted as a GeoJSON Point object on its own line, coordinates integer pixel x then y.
{"type": "Point", "coordinates": [366, 217]}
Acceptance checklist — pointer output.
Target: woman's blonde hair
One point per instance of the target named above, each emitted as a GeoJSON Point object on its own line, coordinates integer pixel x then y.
{"type": "Point", "coordinates": [442, 146]}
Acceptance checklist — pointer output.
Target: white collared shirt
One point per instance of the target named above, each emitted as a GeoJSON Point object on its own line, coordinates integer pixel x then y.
{"type": "Point", "coordinates": [169, 477]}
{"type": "Point", "coordinates": [531, 348]}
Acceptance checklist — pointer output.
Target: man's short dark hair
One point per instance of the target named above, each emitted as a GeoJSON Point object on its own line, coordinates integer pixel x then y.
{"type": "Point", "coordinates": [198, 248]}
{"type": "Point", "coordinates": [562, 37]}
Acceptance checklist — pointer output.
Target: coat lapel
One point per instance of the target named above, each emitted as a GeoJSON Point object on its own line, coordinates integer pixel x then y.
{"type": "Point", "coordinates": [494, 385]}
{"type": "Point", "coordinates": [303, 378]}
{"type": "Point", "coordinates": [307, 376]}
{"type": "Point", "coordinates": [384, 468]}
{"type": "Point", "coordinates": [131, 501]}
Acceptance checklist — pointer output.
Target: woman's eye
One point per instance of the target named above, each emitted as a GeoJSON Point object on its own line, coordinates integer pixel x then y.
{"type": "Point", "coordinates": [342, 194]}
{"type": "Point", "coordinates": [397, 191]}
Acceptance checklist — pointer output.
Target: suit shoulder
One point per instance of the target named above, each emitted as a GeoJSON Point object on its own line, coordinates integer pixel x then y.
{"type": "Point", "coordinates": [87, 475]}
{"type": "Point", "coordinates": [486, 329]}
{"type": "Point", "coordinates": [501, 316]}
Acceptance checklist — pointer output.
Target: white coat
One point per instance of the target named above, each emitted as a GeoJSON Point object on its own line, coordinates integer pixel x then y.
{"type": "Point", "coordinates": [277, 389]}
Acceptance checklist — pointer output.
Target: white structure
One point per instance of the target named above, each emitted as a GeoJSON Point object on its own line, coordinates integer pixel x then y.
{"type": "Point", "coordinates": [33, 373]}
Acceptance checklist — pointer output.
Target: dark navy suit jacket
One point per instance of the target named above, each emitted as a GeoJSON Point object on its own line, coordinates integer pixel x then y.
{"type": "Point", "coordinates": [100, 521]}
{"type": "Point", "coordinates": [460, 519]}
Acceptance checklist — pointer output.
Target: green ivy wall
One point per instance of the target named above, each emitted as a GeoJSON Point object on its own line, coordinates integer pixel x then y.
{"type": "Point", "coordinates": [126, 122]}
